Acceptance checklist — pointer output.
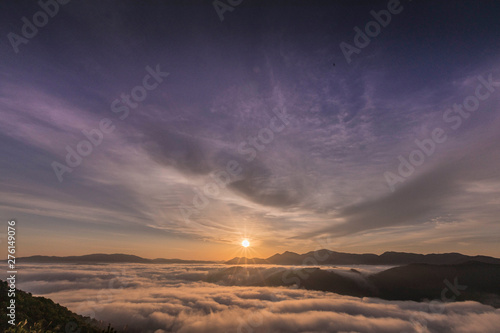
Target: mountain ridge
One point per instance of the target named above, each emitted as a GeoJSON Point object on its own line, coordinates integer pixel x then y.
{"type": "Point", "coordinates": [107, 258]}
{"type": "Point", "coordinates": [327, 257]}
{"type": "Point", "coordinates": [320, 257]}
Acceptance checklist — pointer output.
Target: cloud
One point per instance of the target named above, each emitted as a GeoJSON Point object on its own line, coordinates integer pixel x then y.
{"type": "Point", "coordinates": [148, 298]}
{"type": "Point", "coordinates": [410, 202]}
{"type": "Point", "coordinates": [442, 185]}
{"type": "Point", "coordinates": [260, 185]}
{"type": "Point", "coordinates": [186, 153]}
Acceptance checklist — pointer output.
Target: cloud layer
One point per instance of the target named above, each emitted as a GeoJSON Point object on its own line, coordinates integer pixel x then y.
{"type": "Point", "coordinates": [172, 298]}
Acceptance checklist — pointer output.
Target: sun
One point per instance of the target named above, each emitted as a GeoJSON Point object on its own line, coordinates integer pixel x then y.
{"type": "Point", "coordinates": [245, 243]}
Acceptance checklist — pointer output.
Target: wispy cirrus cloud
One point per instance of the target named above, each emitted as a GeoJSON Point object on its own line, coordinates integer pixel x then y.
{"type": "Point", "coordinates": [322, 174]}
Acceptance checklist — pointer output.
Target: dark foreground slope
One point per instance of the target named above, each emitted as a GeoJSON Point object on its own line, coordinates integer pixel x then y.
{"type": "Point", "coordinates": [44, 314]}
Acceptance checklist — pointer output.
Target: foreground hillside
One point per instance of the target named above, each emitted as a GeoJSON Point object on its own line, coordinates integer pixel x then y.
{"type": "Point", "coordinates": [43, 315]}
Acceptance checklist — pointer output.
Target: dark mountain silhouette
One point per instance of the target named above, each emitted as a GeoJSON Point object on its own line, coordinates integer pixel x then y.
{"type": "Point", "coordinates": [327, 257]}
{"type": "Point", "coordinates": [246, 261]}
{"type": "Point", "coordinates": [469, 281]}
{"type": "Point", "coordinates": [309, 278]}
{"type": "Point", "coordinates": [286, 258]}
{"type": "Point", "coordinates": [108, 258]}
{"type": "Point", "coordinates": [318, 279]}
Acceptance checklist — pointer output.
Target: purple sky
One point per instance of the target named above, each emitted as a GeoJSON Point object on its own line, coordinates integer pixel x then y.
{"type": "Point", "coordinates": [309, 143]}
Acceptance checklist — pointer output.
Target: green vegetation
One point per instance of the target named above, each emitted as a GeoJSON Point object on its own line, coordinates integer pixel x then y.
{"type": "Point", "coordinates": [40, 314]}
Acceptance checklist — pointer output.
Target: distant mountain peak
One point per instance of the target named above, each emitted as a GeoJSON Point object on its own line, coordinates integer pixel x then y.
{"type": "Point", "coordinates": [290, 253]}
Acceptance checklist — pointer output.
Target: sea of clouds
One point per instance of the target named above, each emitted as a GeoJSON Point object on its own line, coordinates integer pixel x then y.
{"type": "Point", "coordinates": [177, 298]}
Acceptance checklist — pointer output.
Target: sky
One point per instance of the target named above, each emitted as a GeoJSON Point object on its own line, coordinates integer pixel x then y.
{"type": "Point", "coordinates": [178, 129]}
